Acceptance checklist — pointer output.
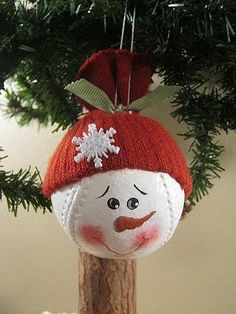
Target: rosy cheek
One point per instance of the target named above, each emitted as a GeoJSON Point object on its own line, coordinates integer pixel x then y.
{"type": "Point", "coordinates": [146, 237]}
{"type": "Point", "coordinates": [92, 234]}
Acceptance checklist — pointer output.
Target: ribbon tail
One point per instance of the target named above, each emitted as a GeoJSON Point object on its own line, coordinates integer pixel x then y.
{"type": "Point", "coordinates": [91, 94]}
{"type": "Point", "coordinates": [154, 97]}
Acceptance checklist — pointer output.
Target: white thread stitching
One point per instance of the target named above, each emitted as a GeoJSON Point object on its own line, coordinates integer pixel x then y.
{"type": "Point", "coordinates": [71, 222]}
{"type": "Point", "coordinates": [65, 206]}
{"type": "Point", "coordinates": [170, 210]}
{"type": "Point", "coordinates": [73, 216]}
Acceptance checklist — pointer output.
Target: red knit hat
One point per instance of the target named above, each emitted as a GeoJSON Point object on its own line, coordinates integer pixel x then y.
{"type": "Point", "coordinates": [143, 143]}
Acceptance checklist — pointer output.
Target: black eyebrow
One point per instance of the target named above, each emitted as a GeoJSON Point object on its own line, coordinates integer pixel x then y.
{"type": "Point", "coordinates": [144, 193]}
{"type": "Point", "coordinates": [104, 192]}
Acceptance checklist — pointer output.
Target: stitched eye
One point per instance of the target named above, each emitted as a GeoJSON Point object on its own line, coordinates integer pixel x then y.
{"type": "Point", "coordinates": [132, 203]}
{"type": "Point", "coordinates": [113, 203]}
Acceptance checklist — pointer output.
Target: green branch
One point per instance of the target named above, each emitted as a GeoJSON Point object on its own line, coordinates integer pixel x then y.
{"type": "Point", "coordinates": [22, 188]}
{"type": "Point", "coordinates": [42, 46]}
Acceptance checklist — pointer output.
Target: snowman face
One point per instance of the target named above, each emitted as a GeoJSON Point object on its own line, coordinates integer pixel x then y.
{"type": "Point", "coordinates": [120, 214]}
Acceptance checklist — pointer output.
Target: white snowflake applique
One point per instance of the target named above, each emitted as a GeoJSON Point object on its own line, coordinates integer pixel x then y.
{"type": "Point", "coordinates": [95, 144]}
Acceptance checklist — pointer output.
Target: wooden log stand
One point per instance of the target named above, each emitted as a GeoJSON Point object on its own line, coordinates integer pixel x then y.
{"type": "Point", "coordinates": [106, 286]}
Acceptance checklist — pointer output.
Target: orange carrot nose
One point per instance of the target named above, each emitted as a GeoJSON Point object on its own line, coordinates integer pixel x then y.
{"type": "Point", "coordinates": [123, 223]}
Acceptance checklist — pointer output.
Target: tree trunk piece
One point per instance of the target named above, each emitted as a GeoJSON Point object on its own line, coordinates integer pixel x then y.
{"type": "Point", "coordinates": [106, 286]}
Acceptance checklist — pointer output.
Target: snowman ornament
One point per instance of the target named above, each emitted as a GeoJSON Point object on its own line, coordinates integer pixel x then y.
{"type": "Point", "coordinates": [117, 181]}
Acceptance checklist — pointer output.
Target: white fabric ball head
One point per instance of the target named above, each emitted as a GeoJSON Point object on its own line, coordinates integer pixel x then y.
{"type": "Point", "coordinates": [120, 214]}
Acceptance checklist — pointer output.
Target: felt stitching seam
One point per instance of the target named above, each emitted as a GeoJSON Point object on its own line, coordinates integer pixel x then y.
{"type": "Point", "coordinates": [170, 210]}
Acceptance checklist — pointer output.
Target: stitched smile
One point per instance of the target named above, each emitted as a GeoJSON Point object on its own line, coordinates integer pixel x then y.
{"type": "Point", "coordinates": [123, 223]}
{"type": "Point", "coordinates": [123, 254]}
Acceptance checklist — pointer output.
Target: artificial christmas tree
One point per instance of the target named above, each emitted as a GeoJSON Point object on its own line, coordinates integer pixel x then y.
{"type": "Point", "coordinates": [43, 43]}
{"type": "Point", "coordinates": [192, 44]}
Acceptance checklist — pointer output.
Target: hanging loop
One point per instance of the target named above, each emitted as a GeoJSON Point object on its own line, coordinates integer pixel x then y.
{"type": "Point", "coordinates": [131, 49]}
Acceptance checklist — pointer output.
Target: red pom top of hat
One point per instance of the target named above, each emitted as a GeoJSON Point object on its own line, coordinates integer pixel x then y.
{"type": "Point", "coordinates": [111, 69]}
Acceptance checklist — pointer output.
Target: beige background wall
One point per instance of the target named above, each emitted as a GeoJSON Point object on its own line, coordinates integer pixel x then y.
{"type": "Point", "coordinates": [194, 274]}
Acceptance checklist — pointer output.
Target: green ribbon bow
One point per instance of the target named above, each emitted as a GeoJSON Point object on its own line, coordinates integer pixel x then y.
{"type": "Point", "coordinates": [97, 98]}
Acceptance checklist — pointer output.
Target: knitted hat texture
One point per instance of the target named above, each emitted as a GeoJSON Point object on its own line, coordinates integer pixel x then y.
{"type": "Point", "coordinates": [143, 143]}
